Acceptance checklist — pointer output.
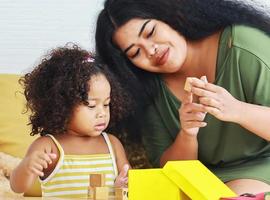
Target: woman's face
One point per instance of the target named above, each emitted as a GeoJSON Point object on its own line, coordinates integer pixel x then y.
{"type": "Point", "coordinates": [152, 45]}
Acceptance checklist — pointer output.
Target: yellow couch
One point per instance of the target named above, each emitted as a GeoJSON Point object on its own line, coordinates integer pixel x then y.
{"type": "Point", "coordinates": [14, 132]}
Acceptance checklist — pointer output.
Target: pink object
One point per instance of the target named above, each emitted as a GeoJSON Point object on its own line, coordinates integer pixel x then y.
{"type": "Point", "coordinates": [259, 196]}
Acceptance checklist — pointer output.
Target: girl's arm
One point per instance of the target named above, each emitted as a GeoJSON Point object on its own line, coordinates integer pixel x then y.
{"type": "Point", "coordinates": [36, 160]}
{"type": "Point", "coordinates": [121, 161]}
{"type": "Point", "coordinates": [120, 155]}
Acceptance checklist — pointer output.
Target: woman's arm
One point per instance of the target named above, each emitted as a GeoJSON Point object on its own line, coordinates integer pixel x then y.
{"type": "Point", "coordinates": [36, 160]}
{"type": "Point", "coordinates": [185, 146]}
{"type": "Point", "coordinates": [221, 104]}
{"type": "Point", "coordinates": [255, 118]}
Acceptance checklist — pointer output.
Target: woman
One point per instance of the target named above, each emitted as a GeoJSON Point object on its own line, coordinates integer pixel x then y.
{"type": "Point", "coordinates": [153, 46]}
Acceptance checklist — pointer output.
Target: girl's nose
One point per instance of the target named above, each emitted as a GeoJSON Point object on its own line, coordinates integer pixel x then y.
{"type": "Point", "coordinates": [101, 113]}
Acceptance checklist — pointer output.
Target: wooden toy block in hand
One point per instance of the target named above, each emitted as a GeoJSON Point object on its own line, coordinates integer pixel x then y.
{"type": "Point", "coordinates": [121, 193]}
{"type": "Point", "coordinates": [187, 86]}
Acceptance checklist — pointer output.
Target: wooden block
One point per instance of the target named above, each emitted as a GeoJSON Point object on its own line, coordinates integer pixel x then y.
{"type": "Point", "coordinates": [121, 193]}
{"type": "Point", "coordinates": [91, 193]}
{"type": "Point", "coordinates": [97, 180]}
{"type": "Point", "coordinates": [187, 86]}
{"type": "Point", "coordinates": [101, 193]}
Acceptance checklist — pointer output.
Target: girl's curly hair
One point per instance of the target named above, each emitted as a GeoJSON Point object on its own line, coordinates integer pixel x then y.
{"type": "Point", "coordinates": [59, 83]}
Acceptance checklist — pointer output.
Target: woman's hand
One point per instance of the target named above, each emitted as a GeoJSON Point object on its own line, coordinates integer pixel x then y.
{"type": "Point", "coordinates": [37, 161]}
{"type": "Point", "coordinates": [191, 115]}
{"type": "Point", "coordinates": [217, 100]}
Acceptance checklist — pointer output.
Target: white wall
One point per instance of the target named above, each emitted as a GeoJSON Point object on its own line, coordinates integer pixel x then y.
{"type": "Point", "coordinates": [28, 28]}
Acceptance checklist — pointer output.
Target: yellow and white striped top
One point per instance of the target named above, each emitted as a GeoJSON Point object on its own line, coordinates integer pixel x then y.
{"type": "Point", "coordinates": [70, 178]}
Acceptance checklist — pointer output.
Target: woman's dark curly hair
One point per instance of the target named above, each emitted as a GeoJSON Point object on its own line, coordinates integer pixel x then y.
{"type": "Point", "coordinates": [194, 19]}
{"type": "Point", "coordinates": [59, 83]}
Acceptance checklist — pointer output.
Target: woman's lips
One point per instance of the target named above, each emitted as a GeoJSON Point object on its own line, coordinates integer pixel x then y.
{"type": "Point", "coordinates": [163, 57]}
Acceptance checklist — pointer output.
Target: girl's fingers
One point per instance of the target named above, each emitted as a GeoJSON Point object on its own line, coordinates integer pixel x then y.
{"type": "Point", "coordinates": [124, 171]}
{"type": "Point", "coordinates": [43, 163]}
{"type": "Point", "coordinates": [37, 172]}
{"type": "Point", "coordinates": [48, 157]}
{"type": "Point", "coordinates": [38, 166]}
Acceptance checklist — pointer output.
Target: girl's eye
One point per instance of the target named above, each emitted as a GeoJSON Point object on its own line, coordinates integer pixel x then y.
{"type": "Point", "coordinates": [137, 53]}
{"type": "Point", "coordinates": [151, 32]}
{"type": "Point", "coordinates": [91, 106]}
{"type": "Point", "coordinates": [106, 105]}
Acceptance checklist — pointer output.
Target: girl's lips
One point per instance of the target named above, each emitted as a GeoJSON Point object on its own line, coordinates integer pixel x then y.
{"type": "Point", "coordinates": [100, 127]}
{"type": "Point", "coordinates": [163, 57]}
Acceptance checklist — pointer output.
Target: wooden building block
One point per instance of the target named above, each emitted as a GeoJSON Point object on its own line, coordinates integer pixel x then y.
{"type": "Point", "coordinates": [97, 180]}
{"type": "Point", "coordinates": [187, 86]}
{"type": "Point", "coordinates": [101, 193]}
{"type": "Point", "coordinates": [121, 193]}
{"type": "Point", "coordinates": [91, 193]}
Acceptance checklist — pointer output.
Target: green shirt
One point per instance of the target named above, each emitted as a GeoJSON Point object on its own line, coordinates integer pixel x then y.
{"type": "Point", "coordinates": [229, 150]}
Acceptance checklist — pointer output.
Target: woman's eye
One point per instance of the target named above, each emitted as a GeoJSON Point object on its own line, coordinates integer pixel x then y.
{"type": "Point", "coordinates": [106, 105]}
{"type": "Point", "coordinates": [91, 106]}
{"type": "Point", "coordinates": [151, 32]}
{"type": "Point", "coordinates": [136, 54]}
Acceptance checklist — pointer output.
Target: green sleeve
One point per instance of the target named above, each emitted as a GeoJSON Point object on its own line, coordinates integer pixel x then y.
{"type": "Point", "coordinates": [255, 77]}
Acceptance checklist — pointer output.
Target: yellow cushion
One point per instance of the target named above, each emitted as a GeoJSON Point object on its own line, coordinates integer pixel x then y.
{"type": "Point", "coordinates": [14, 133]}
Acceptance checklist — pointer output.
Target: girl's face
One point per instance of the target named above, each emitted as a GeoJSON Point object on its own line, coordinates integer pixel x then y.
{"type": "Point", "coordinates": [152, 45]}
{"type": "Point", "coordinates": [91, 120]}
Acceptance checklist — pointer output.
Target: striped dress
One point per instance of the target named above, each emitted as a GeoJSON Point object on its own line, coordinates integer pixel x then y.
{"type": "Point", "coordinates": [70, 178]}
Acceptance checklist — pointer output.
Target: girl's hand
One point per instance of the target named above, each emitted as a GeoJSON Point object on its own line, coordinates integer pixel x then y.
{"type": "Point", "coordinates": [37, 161]}
{"type": "Point", "coordinates": [191, 115]}
{"type": "Point", "coordinates": [122, 179]}
{"type": "Point", "coordinates": [217, 100]}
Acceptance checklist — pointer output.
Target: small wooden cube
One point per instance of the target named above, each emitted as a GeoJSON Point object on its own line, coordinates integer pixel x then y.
{"type": "Point", "coordinates": [97, 180]}
{"type": "Point", "coordinates": [101, 193]}
{"type": "Point", "coordinates": [187, 86]}
{"type": "Point", "coordinates": [121, 193]}
{"type": "Point", "coordinates": [91, 193]}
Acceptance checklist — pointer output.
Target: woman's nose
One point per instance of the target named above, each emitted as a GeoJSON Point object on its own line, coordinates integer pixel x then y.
{"type": "Point", "coordinates": [152, 50]}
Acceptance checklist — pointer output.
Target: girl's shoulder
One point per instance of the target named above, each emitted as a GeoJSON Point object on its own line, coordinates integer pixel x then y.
{"type": "Point", "coordinates": [43, 143]}
{"type": "Point", "coordinates": [113, 139]}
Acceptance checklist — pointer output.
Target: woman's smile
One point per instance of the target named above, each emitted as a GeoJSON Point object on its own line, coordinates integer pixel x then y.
{"type": "Point", "coordinates": [162, 56]}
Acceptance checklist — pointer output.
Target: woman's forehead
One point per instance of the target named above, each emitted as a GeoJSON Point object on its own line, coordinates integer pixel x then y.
{"type": "Point", "coordinates": [130, 30]}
